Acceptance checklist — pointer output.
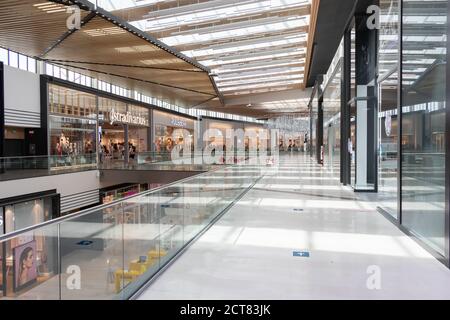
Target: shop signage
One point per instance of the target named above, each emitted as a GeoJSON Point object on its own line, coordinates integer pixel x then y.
{"type": "Point", "coordinates": [128, 118]}
{"type": "Point", "coordinates": [178, 123]}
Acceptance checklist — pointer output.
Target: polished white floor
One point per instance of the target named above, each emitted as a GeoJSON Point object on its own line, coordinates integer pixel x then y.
{"type": "Point", "coordinates": [248, 254]}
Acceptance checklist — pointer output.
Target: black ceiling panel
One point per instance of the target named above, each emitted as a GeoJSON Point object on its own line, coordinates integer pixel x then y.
{"type": "Point", "coordinates": [333, 17]}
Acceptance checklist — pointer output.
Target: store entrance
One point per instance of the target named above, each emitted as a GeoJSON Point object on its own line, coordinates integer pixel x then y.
{"type": "Point", "coordinates": [114, 147]}
{"type": "Point", "coordinates": [112, 143]}
{"type": "Point", "coordinates": [138, 141]}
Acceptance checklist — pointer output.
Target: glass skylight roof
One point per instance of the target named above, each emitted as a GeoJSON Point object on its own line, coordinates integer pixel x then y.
{"type": "Point", "coordinates": [239, 40]}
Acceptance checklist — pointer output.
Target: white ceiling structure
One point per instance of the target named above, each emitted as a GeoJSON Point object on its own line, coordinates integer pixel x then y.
{"type": "Point", "coordinates": [252, 46]}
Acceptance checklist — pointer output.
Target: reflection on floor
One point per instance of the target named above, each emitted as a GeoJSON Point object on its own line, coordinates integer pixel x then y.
{"type": "Point", "coordinates": [248, 254]}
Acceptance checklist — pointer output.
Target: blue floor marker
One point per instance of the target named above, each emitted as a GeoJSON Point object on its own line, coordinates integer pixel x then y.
{"type": "Point", "coordinates": [301, 254]}
{"type": "Point", "coordinates": [85, 243]}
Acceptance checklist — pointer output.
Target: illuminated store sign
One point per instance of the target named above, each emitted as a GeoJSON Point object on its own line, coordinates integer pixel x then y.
{"type": "Point", "coordinates": [178, 123]}
{"type": "Point", "coordinates": [128, 118]}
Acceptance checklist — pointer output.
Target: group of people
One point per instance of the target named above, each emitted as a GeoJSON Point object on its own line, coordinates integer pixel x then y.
{"type": "Point", "coordinates": [292, 146]}
{"type": "Point", "coordinates": [295, 145]}
{"type": "Point", "coordinates": [116, 151]}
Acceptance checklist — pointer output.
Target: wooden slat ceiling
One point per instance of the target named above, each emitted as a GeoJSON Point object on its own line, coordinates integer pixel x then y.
{"type": "Point", "coordinates": [29, 30]}
{"type": "Point", "coordinates": [105, 48]}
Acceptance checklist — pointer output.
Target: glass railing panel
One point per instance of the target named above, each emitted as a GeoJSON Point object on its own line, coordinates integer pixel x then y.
{"type": "Point", "coordinates": [142, 251]}
{"type": "Point", "coordinates": [94, 245]}
{"type": "Point", "coordinates": [29, 266]}
{"type": "Point", "coordinates": [72, 161]}
{"type": "Point", "coordinates": [194, 211]}
{"type": "Point", "coordinates": [27, 167]}
{"type": "Point", "coordinates": [171, 213]}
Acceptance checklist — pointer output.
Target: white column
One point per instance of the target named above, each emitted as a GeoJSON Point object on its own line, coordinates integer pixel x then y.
{"type": "Point", "coordinates": [361, 138]}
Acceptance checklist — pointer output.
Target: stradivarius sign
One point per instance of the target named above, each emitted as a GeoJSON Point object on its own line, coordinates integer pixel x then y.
{"type": "Point", "coordinates": [128, 118]}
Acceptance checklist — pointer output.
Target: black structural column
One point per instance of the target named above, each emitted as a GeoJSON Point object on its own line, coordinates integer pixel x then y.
{"type": "Point", "coordinates": [2, 118]}
{"type": "Point", "coordinates": [345, 110]}
{"type": "Point", "coordinates": [2, 112]}
{"type": "Point", "coordinates": [366, 104]}
{"type": "Point", "coordinates": [319, 124]}
{"type": "Point", "coordinates": [42, 148]}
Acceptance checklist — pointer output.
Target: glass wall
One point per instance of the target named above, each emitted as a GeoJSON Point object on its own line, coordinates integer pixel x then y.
{"type": "Point", "coordinates": [26, 214]}
{"type": "Point", "coordinates": [172, 130]}
{"type": "Point", "coordinates": [332, 113]}
{"type": "Point", "coordinates": [388, 145]}
{"type": "Point", "coordinates": [73, 137]}
{"type": "Point", "coordinates": [388, 129]}
{"type": "Point", "coordinates": [78, 121]}
{"type": "Point", "coordinates": [423, 120]}
{"type": "Point", "coordinates": [72, 126]}
{"type": "Point", "coordinates": [314, 121]}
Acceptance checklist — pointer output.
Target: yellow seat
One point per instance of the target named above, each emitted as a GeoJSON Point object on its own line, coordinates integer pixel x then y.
{"type": "Point", "coordinates": [138, 267]}
{"type": "Point", "coordinates": [156, 254]}
{"type": "Point", "coordinates": [122, 275]}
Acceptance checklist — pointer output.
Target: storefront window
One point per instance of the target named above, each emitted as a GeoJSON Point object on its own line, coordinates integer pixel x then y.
{"type": "Point", "coordinates": [72, 141]}
{"type": "Point", "coordinates": [423, 120]}
{"type": "Point", "coordinates": [115, 193]}
{"type": "Point", "coordinates": [38, 247]}
{"type": "Point", "coordinates": [70, 102]}
{"type": "Point", "coordinates": [172, 130]}
{"type": "Point", "coordinates": [72, 125]}
{"type": "Point", "coordinates": [27, 214]}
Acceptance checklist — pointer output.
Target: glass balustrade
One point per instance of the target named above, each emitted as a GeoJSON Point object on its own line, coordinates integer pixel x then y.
{"type": "Point", "coordinates": [110, 252]}
{"type": "Point", "coordinates": [28, 167]}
